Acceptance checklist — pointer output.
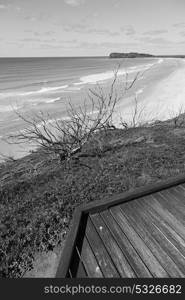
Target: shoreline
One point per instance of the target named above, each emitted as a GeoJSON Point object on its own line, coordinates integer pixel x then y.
{"type": "Point", "coordinates": [153, 93]}
{"type": "Point", "coordinates": [160, 99]}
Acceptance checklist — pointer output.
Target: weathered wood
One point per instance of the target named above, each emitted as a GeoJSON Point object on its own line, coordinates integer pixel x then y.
{"type": "Point", "coordinates": [183, 185]}
{"type": "Point", "coordinates": [100, 252]}
{"type": "Point", "coordinates": [79, 221]}
{"type": "Point", "coordinates": [143, 224]}
{"type": "Point", "coordinates": [126, 247]}
{"type": "Point", "coordinates": [179, 193]}
{"type": "Point", "coordinates": [81, 273]}
{"type": "Point", "coordinates": [165, 214]}
{"type": "Point", "coordinates": [165, 243]}
{"type": "Point", "coordinates": [147, 256]}
{"type": "Point", "coordinates": [91, 266]}
{"type": "Point", "coordinates": [114, 250]}
{"type": "Point", "coordinates": [165, 228]}
{"type": "Point", "coordinates": [169, 202]}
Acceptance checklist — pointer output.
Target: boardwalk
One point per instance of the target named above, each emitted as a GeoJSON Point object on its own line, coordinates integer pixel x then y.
{"type": "Point", "coordinates": [130, 236]}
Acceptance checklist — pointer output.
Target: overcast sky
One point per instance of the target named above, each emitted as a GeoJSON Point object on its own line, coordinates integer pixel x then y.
{"type": "Point", "coordinates": [91, 27]}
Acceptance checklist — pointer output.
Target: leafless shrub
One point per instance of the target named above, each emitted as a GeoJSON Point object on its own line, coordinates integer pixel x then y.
{"type": "Point", "coordinates": [178, 117]}
{"type": "Point", "coordinates": [65, 137]}
{"type": "Point", "coordinates": [135, 118]}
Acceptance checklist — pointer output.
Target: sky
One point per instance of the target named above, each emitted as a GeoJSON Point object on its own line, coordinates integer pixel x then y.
{"type": "Point", "coordinates": [30, 28]}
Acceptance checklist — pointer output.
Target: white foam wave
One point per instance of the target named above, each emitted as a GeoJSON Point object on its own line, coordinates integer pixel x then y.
{"type": "Point", "coordinates": [74, 88]}
{"type": "Point", "coordinates": [140, 91]}
{"type": "Point", "coordinates": [94, 78]}
{"type": "Point", "coordinates": [52, 100]}
{"type": "Point", "coordinates": [44, 90]}
{"type": "Point", "coordinates": [41, 91]}
{"type": "Point", "coordinates": [160, 61]}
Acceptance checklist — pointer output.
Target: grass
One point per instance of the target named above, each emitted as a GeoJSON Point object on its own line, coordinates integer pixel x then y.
{"type": "Point", "coordinates": [38, 195]}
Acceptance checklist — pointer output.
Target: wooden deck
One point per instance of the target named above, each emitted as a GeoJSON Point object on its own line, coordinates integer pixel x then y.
{"type": "Point", "coordinates": [140, 234]}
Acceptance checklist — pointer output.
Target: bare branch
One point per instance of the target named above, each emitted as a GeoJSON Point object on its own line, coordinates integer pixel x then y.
{"type": "Point", "coordinates": [65, 137]}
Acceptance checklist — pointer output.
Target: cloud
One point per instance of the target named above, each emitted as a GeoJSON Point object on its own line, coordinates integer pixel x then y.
{"type": "Point", "coordinates": [179, 25]}
{"type": "Point", "coordinates": [128, 30]}
{"type": "Point", "coordinates": [155, 32]}
{"type": "Point", "coordinates": [109, 45]}
{"type": "Point", "coordinates": [2, 6]}
{"type": "Point", "coordinates": [80, 28]}
{"type": "Point", "coordinates": [35, 40]}
{"type": "Point", "coordinates": [30, 18]}
{"type": "Point", "coordinates": [74, 2]}
{"type": "Point", "coordinates": [74, 44]}
{"type": "Point", "coordinates": [18, 9]}
{"type": "Point", "coordinates": [182, 42]}
{"type": "Point", "coordinates": [102, 31]}
{"type": "Point", "coordinates": [154, 40]}
{"type": "Point", "coordinates": [30, 40]}
{"type": "Point", "coordinates": [45, 33]}
{"type": "Point", "coordinates": [60, 44]}
{"type": "Point", "coordinates": [10, 6]}
{"type": "Point", "coordinates": [37, 16]}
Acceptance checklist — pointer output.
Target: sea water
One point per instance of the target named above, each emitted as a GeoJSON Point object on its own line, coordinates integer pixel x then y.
{"type": "Point", "coordinates": [31, 85]}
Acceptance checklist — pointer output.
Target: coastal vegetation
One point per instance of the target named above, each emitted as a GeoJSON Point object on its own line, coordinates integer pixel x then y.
{"type": "Point", "coordinates": [141, 55]}
{"type": "Point", "coordinates": [129, 55]}
{"type": "Point", "coordinates": [39, 192]}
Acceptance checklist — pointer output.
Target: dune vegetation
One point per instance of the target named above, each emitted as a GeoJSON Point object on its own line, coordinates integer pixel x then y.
{"type": "Point", "coordinates": [39, 192]}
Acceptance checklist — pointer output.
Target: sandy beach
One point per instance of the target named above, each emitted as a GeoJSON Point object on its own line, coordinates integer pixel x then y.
{"type": "Point", "coordinates": [160, 93]}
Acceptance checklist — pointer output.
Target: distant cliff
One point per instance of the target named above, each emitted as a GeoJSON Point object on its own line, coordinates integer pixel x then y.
{"type": "Point", "coordinates": [129, 55]}
{"type": "Point", "coordinates": [135, 54]}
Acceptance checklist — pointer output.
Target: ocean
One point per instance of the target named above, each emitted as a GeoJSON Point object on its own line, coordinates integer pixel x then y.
{"type": "Point", "coordinates": [36, 79]}
{"type": "Point", "coordinates": [31, 85]}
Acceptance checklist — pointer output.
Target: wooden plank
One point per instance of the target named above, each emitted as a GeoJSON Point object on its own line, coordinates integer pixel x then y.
{"type": "Point", "coordinates": [126, 247]}
{"type": "Point", "coordinates": [165, 228]}
{"type": "Point", "coordinates": [144, 252]}
{"type": "Point", "coordinates": [100, 252]}
{"type": "Point", "coordinates": [133, 214]}
{"type": "Point", "coordinates": [97, 206]}
{"type": "Point", "coordinates": [174, 200]}
{"type": "Point", "coordinates": [183, 185]}
{"type": "Point", "coordinates": [179, 193]}
{"type": "Point", "coordinates": [143, 222]}
{"type": "Point", "coordinates": [90, 263]}
{"type": "Point", "coordinates": [165, 243]}
{"type": "Point", "coordinates": [114, 250]}
{"type": "Point", "coordinates": [169, 202]}
{"type": "Point", "coordinates": [177, 198]}
{"type": "Point", "coordinates": [164, 214]}
{"type": "Point", "coordinates": [81, 273]}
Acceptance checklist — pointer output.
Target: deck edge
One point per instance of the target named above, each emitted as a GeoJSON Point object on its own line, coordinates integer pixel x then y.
{"type": "Point", "coordinates": [67, 252]}
{"type": "Point", "coordinates": [85, 209]}
{"type": "Point", "coordinates": [130, 195]}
